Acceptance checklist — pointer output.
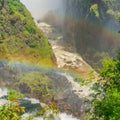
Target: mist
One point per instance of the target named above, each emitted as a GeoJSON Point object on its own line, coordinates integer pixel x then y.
{"type": "Point", "coordinates": [39, 8]}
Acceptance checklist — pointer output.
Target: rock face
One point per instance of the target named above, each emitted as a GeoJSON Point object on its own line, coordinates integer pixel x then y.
{"type": "Point", "coordinates": [69, 94]}
{"type": "Point", "coordinates": [66, 56]}
{"type": "Point", "coordinates": [87, 33]}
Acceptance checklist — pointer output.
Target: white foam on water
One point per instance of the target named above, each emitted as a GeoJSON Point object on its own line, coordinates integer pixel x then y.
{"type": "Point", "coordinates": [3, 92]}
{"type": "Point", "coordinates": [64, 116]}
{"type": "Point", "coordinates": [3, 101]}
{"type": "Point", "coordinates": [26, 115]}
{"type": "Point", "coordinates": [33, 100]}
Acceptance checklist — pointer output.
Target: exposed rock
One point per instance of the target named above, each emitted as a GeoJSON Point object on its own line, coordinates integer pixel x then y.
{"type": "Point", "coordinates": [70, 95]}
{"type": "Point", "coordinates": [30, 104]}
{"type": "Point", "coordinates": [66, 57]}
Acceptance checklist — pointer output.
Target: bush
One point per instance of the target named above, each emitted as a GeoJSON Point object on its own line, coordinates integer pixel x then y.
{"type": "Point", "coordinates": [105, 104]}
{"type": "Point", "coordinates": [11, 110]}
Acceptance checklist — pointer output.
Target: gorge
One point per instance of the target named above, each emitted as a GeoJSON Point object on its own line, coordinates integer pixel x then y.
{"type": "Point", "coordinates": [91, 37]}
{"type": "Point", "coordinates": [51, 59]}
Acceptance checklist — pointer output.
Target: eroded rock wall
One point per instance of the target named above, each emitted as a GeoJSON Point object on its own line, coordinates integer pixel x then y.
{"type": "Point", "coordinates": [90, 35]}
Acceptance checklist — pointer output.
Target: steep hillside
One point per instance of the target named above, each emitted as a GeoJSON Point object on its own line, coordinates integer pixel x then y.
{"type": "Point", "coordinates": [20, 39]}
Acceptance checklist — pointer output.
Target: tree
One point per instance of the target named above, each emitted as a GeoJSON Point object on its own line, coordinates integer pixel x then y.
{"type": "Point", "coordinates": [105, 104]}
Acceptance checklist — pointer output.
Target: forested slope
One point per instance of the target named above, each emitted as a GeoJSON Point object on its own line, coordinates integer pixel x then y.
{"type": "Point", "coordinates": [20, 39]}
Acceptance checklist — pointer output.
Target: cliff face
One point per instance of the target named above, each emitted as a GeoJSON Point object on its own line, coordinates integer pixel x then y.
{"type": "Point", "coordinates": [20, 39]}
{"type": "Point", "coordinates": [88, 33]}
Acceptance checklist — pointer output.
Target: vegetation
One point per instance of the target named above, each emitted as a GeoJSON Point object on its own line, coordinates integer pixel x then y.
{"type": "Point", "coordinates": [83, 81]}
{"type": "Point", "coordinates": [34, 83]}
{"type": "Point", "coordinates": [18, 31]}
{"type": "Point", "coordinates": [111, 6]}
{"type": "Point", "coordinates": [105, 104]}
{"type": "Point", "coordinates": [20, 39]}
{"type": "Point", "coordinates": [11, 110]}
{"type": "Point", "coordinates": [94, 9]}
{"type": "Point", "coordinates": [52, 106]}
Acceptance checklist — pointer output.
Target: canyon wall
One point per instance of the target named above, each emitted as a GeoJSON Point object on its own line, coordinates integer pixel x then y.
{"type": "Point", "coordinates": [91, 36]}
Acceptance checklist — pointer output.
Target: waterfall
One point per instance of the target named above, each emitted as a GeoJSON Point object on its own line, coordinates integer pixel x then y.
{"type": "Point", "coordinates": [62, 116]}
{"type": "Point", "coordinates": [91, 35]}
{"type": "Point", "coordinates": [3, 92]}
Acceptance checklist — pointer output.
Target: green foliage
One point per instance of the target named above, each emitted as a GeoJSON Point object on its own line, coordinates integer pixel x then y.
{"type": "Point", "coordinates": [52, 106]}
{"type": "Point", "coordinates": [19, 31]}
{"type": "Point", "coordinates": [36, 82]}
{"type": "Point", "coordinates": [118, 17]}
{"type": "Point", "coordinates": [81, 81]}
{"type": "Point", "coordinates": [111, 7]}
{"type": "Point", "coordinates": [11, 110]}
{"type": "Point", "coordinates": [106, 101]}
{"type": "Point", "coordinates": [110, 11]}
{"type": "Point", "coordinates": [14, 95]}
{"type": "Point", "coordinates": [94, 9]}
{"type": "Point", "coordinates": [106, 107]}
